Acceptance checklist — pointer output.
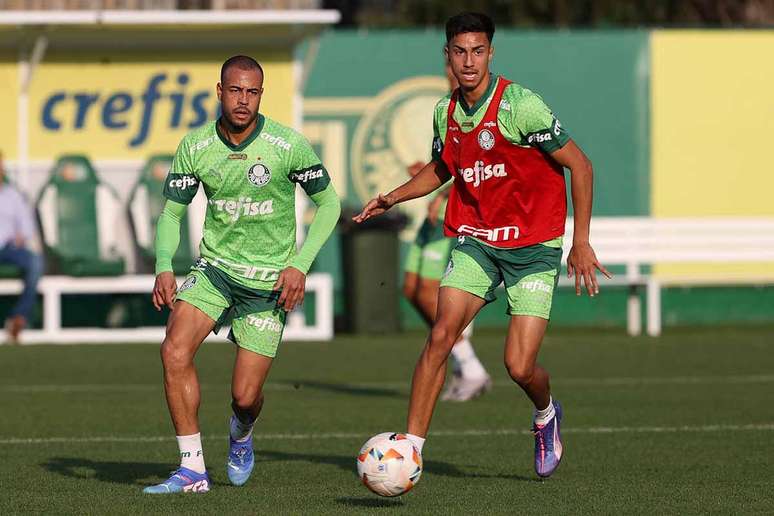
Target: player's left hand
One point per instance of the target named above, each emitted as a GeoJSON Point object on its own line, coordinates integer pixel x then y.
{"type": "Point", "coordinates": [583, 263]}
{"type": "Point", "coordinates": [292, 282]}
{"type": "Point", "coordinates": [375, 207]}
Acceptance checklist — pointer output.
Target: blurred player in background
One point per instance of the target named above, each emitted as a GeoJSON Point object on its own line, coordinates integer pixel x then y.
{"type": "Point", "coordinates": [425, 263]}
{"type": "Point", "coordinates": [17, 229]}
{"type": "Point", "coordinates": [505, 151]}
{"type": "Point", "coordinates": [249, 274]}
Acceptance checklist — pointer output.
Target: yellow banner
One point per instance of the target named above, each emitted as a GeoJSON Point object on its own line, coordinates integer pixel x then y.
{"type": "Point", "coordinates": [130, 106]}
{"type": "Point", "coordinates": [9, 88]}
{"type": "Point", "coordinates": [712, 102]}
{"type": "Point", "coordinates": [712, 120]}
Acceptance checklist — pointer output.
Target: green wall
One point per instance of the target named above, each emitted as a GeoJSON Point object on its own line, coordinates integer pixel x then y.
{"type": "Point", "coordinates": [595, 82]}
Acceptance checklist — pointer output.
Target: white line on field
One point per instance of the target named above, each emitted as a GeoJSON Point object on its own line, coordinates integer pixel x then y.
{"type": "Point", "coordinates": [438, 433]}
{"type": "Point", "coordinates": [274, 386]}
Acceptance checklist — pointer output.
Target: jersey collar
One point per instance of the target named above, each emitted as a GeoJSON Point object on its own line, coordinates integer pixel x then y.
{"type": "Point", "coordinates": [248, 140]}
{"type": "Point", "coordinates": [470, 111]}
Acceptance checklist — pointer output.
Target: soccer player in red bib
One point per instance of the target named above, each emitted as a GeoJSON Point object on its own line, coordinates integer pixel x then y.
{"type": "Point", "coordinates": [506, 154]}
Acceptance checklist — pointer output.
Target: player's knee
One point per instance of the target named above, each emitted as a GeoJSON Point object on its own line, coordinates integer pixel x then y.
{"type": "Point", "coordinates": [520, 371]}
{"type": "Point", "coordinates": [246, 398]}
{"type": "Point", "coordinates": [442, 338]}
{"type": "Point", "coordinates": [174, 355]}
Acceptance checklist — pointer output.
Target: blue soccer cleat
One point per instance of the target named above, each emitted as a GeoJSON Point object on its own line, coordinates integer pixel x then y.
{"type": "Point", "coordinates": [548, 444]}
{"type": "Point", "coordinates": [183, 480]}
{"type": "Point", "coordinates": [241, 460]}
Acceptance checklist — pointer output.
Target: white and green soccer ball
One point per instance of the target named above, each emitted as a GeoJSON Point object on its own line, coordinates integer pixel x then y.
{"type": "Point", "coordinates": [389, 464]}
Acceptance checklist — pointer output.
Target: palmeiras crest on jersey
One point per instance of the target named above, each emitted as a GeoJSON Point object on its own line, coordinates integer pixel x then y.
{"type": "Point", "coordinates": [394, 132]}
{"type": "Point", "coordinates": [259, 174]}
{"type": "Point", "coordinates": [486, 139]}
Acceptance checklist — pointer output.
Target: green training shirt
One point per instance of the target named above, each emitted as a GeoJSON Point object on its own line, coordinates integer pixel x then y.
{"type": "Point", "coordinates": [250, 225]}
{"type": "Point", "coordinates": [523, 119]}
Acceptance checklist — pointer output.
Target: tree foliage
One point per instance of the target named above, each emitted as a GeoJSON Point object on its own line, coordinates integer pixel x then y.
{"type": "Point", "coordinates": [561, 13]}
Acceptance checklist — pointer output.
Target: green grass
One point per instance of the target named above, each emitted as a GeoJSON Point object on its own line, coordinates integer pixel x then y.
{"type": "Point", "coordinates": [626, 402]}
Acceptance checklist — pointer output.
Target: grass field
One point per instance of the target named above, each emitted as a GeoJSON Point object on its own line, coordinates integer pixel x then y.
{"type": "Point", "coordinates": [681, 424]}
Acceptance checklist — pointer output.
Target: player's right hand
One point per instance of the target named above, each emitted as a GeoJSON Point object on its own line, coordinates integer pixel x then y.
{"type": "Point", "coordinates": [164, 290]}
{"type": "Point", "coordinates": [375, 207]}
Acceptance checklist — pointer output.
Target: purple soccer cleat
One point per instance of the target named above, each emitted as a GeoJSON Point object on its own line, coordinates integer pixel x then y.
{"type": "Point", "coordinates": [548, 444]}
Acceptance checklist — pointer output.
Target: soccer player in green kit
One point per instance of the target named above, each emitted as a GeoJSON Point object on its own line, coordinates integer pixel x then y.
{"type": "Point", "coordinates": [505, 151]}
{"type": "Point", "coordinates": [249, 274]}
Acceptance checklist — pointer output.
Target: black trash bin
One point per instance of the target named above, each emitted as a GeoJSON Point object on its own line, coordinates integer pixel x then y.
{"type": "Point", "coordinates": [370, 255]}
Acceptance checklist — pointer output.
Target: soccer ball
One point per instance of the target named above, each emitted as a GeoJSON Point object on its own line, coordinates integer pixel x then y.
{"type": "Point", "coordinates": [389, 464]}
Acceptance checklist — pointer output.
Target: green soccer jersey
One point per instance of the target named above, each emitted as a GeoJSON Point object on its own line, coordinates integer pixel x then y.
{"type": "Point", "coordinates": [523, 118]}
{"type": "Point", "coordinates": [250, 225]}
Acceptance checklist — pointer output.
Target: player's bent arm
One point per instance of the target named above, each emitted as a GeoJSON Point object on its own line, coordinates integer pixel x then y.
{"type": "Point", "coordinates": [581, 261]}
{"type": "Point", "coordinates": [429, 179]}
{"type": "Point", "coordinates": [168, 235]}
{"type": "Point", "coordinates": [325, 219]}
{"type": "Point", "coordinates": [581, 186]}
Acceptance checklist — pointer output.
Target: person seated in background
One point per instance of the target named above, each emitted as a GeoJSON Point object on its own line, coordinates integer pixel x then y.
{"type": "Point", "coordinates": [17, 229]}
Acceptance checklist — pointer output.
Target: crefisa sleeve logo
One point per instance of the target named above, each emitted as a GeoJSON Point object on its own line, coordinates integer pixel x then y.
{"type": "Point", "coordinates": [486, 139]}
{"type": "Point", "coordinates": [259, 174]}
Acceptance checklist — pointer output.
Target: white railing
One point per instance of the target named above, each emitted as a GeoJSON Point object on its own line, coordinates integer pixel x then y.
{"type": "Point", "coordinates": [53, 287]}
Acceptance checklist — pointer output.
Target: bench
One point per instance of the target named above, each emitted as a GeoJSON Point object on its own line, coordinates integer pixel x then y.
{"type": "Point", "coordinates": [53, 287]}
{"type": "Point", "coordinates": [639, 242]}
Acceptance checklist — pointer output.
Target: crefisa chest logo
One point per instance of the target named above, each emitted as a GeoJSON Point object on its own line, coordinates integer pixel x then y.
{"type": "Point", "coordinates": [486, 139]}
{"type": "Point", "coordinates": [259, 174]}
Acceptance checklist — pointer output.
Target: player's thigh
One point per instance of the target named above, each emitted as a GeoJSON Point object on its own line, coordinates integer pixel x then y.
{"type": "Point", "coordinates": [522, 344]}
{"type": "Point", "coordinates": [456, 308]}
{"type": "Point", "coordinates": [530, 275]}
{"type": "Point", "coordinates": [250, 372]}
{"type": "Point", "coordinates": [259, 332]}
{"type": "Point", "coordinates": [187, 327]}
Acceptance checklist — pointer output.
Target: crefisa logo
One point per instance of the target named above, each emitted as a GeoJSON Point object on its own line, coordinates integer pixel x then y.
{"type": "Point", "coordinates": [70, 110]}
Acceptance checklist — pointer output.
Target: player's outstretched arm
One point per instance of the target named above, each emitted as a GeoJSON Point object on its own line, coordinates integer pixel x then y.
{"type": "Point", "coordinates": [167, 240]}
{"type": "Point", "coordinates": [432, 176]}
{"type": "Point", "coordinates": [582, 261]}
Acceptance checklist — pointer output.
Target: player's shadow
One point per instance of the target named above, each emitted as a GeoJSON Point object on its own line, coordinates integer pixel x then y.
{"type": "Point", "coordinates": [346, 388]}
{"type": "Point", "coordinates": [444, 469]}
{"type": "Point", "coordinates": [135, 473]}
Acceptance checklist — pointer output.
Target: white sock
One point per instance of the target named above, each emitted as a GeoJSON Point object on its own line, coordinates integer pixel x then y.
{"type": "Point", "coordinates": [239, 431]}
{"type": "Point", "coordinates": [419, 442]}
{"type": "Point", "coordinates": [466, 360]}
{"type": "Point", "coordinates": [542, 417]}
{"type": "Point", "coordinates": [191, 453]}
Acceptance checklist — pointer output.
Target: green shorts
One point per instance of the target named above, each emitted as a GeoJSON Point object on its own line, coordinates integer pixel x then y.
{"type": "Point", "coordinates": [256, 321]}
{"type": "Point", "coordinates": [429, 253]}
{"type": "Point", "coordinates": [530, 274]}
